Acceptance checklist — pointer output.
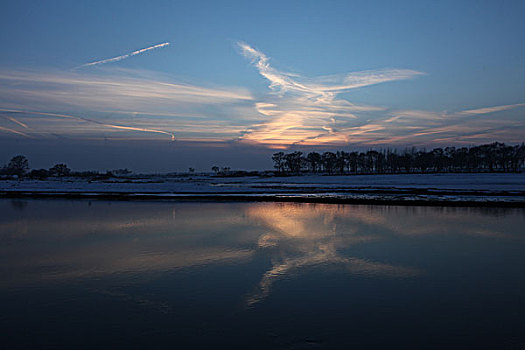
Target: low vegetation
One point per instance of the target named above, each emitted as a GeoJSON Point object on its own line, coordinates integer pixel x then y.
{"type": "Point", "coordinates": [18, 167]}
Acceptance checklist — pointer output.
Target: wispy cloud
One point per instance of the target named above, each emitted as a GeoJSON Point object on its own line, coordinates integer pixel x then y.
{"type": "Point", "coordinates": [110, 89]}
{"type": "Point", "coordinates": [491, 109]}
{"type": "Point", "coordinates": [122, 57]}
{"type": "Point", "coordinates": [307, 110]}
{"type": "Point", "coordinates": [418, 127]}
{"type": "Point", "coordinates": [295, 111]}
{"type": "Point", "coordinates": [121, 99]}
{"type": "Point", "coordinates": [113, 126]}
{"type": "Point", "coordinates": [324, 87]}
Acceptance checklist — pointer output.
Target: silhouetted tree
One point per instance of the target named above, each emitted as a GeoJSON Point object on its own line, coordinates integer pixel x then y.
{"type": "Point", "coordinates": [391, 161]}
{"type": "Point", "coordinates": [39, 174]}
{"type": "Point", "coordinates": [438, 159]}
{"type": "Point", "coordinates": [314, 161]}
{"type": "Point", "coordinates": [294, 162]}
{"type": "Point", "coordinates": [489, 157]}
{"type": "Point", "coordinates": [341, 161]}
{"type": "Point", "coordinates": [380, 162]}
{"type": "Point", "coordinates": [371, 160]}
{"type": "Point", "coordinates": [329, 161]}
{"type": "Point", "coordinates": [449, 154]}
{"type": "Point", "coordinates": [423, 160]}
{"type": "Point", "coordinates": [279, 161]}
{"type": "Point", "coordinates": [18, 165]}
{"type": "Point", "coordinates": [59, 170]}
{"type": "Point", "coordinates": [352, 162]}
{"type": "Point", "coordinates": [518, 157]}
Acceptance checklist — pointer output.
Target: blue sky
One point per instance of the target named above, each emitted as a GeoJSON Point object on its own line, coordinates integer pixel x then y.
{"type": "Point", "coordinates": [251, 77]}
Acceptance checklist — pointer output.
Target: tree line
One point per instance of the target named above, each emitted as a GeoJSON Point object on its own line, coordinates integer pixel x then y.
{"type": "Point", "coordinates": [19, 166]}
{"type": "Point", "coordinates": [494, 157]}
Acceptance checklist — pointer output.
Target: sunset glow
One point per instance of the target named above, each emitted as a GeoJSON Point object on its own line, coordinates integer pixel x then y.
{"type": "Point", "coordinates": [265, 87]}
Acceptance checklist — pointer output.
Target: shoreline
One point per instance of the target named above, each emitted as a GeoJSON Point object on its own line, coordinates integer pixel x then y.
{"type": "Point", "coordinates": [479, 190]}
{"type": "Point", "coordinates": [270, 197]}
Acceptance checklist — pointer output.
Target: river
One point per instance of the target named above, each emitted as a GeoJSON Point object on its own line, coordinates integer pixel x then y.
{"type": "Point", "coordinates": [164, 274]}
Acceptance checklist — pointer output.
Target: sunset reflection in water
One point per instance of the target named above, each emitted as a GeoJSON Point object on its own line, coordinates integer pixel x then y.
{"type": "Point", "coordinates": [244, 258]}
{"type": "Point", "coordinates": [76, 239]}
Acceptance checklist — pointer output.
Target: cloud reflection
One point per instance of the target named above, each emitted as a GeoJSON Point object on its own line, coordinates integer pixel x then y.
{"type": "Point", "coordinates": [302, 236]}
{"type": "Point", "coordinates": [51, 241]}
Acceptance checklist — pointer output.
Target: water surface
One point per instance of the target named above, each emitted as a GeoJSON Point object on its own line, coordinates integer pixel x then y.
{"type": "Point", "coordinates": [259, 275]}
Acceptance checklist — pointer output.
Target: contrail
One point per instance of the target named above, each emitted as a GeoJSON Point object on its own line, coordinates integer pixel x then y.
{"type": "Point", "coordinates": [89, 121]}
{"type": "Point", "coordinates": [132, 128]}
{"type": "Point", "coordinates": [120, 58]}
{"type": "Point", "coordinates": [15, 121]}
{"type": "Point", "coordinates": [14, 131]}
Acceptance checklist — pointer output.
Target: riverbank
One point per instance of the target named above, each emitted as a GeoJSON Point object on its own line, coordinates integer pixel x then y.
{"type": "Point", "coordinates": [419, 189]}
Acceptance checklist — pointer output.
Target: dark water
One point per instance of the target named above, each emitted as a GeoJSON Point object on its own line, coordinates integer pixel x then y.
{"type": "Point", "coordinates": [81, 274]}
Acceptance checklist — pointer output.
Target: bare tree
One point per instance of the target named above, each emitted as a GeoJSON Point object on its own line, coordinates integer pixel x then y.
{"type": "Point", "coordinates": [59, 170]}
{"type": "Point", "coordinates": [279, 161]}
{"type": "Point", "coordinates": [494, 157]}
{"type": "Point", "coordinates": [294, 162]}
{"type": "Point", "coordinates": [314, 161]}
{"type": "Point", "coordinates": [329, 161]}
{"type": "Point", "coordinates": [18, 165]}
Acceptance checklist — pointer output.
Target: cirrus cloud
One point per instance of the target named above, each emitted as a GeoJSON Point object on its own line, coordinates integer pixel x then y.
{"type": "Point", "coordinates": [307, 111]}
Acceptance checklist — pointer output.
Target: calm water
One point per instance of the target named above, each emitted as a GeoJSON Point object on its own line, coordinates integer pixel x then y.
{"type": "Point", "coordinates": [259, 275]}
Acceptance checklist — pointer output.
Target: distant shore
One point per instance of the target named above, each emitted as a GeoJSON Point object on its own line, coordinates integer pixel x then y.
{"type": "Point", "coordinates": [481, 190]}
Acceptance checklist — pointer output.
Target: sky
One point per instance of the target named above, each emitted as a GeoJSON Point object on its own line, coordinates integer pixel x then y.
{"type": "Point", "coordinates": [158, 86]}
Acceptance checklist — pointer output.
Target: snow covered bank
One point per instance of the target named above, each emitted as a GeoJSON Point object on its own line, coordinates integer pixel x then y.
{"type": "Point", "coordinates": [414, 189]}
